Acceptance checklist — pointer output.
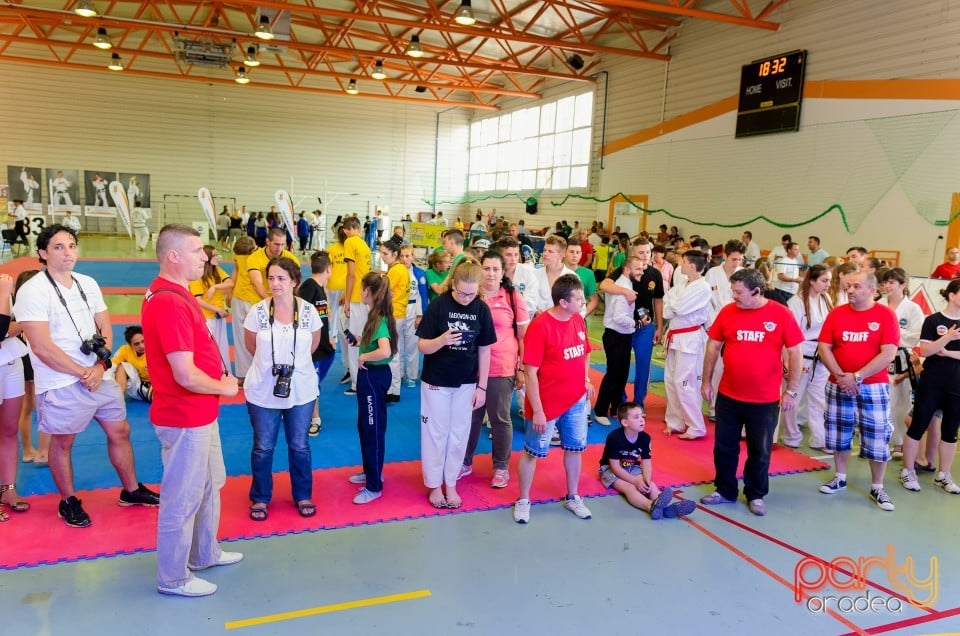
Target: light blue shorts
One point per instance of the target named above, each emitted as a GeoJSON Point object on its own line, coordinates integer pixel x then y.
{"type": "Point", "coordinates": [572, 427]}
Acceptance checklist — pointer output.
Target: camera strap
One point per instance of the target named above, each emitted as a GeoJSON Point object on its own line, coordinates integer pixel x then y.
{"type": "Point", "coordinates": [296, 328]}
{"type": "Point", "coordinates": [63, 300]}
{"type": "Point", "coordinates": [151, 293]}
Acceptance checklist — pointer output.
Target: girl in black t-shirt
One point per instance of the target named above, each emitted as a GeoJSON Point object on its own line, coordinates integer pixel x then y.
{"type": "Point", "coordinates": [938, 388]}
{"type": "Point", "coordinates": [455, 337]}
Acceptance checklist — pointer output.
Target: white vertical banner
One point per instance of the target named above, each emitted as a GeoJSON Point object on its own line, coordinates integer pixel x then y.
{"type": "Point", "coordinates": [119, 196]}
{"type": "Point", "coordinates": [286, 210]}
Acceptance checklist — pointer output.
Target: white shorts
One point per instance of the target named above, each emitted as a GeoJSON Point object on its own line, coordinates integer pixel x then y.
{"type": "Point", "coordinates": [69, 409]}
{"type": "Point", "coordinates": [11, 380]}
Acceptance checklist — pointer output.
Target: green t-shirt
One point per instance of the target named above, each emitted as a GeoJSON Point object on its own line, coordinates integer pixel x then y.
{"type": "Point", "coordinates": [589, 281]}
{"type": "Point", "coordinates": [434, 278]}
{"type": "Point", "coordinates": [618, 259]}
{"type": "Point", "coordinates": [373, 345]}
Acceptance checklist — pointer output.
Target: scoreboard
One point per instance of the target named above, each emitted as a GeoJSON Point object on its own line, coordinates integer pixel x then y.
{"type": "Point", "coordinates": [770, 93]}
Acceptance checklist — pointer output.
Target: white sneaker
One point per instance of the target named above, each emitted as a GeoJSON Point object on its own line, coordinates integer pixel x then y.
{"type": "Point", "coordinates": [945, 481]}
{"type": "Point", "coordinates": [193, 587]}
{"type": "Point", "coordinates": [602, 421]}
{"type": "Point", "coordinates": [226, 558]}
{"type": "Point", "coordinates": [908, 479]}
{"type": "Point", "coordinates": [576, 506]}
{"type": "Point", "coordinates": [359, 478]}
{"type": "Point", "coordinates": [366, 496]}
{"type": "Point", "coordinates": [521, 511]}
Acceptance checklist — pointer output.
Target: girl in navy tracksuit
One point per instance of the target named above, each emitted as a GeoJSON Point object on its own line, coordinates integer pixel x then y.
{"type": "Point", "coordinates": [378, 345]}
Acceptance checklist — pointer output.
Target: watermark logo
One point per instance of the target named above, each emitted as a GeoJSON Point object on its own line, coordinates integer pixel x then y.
{"type": "Point", "coordinates": [844, 574]}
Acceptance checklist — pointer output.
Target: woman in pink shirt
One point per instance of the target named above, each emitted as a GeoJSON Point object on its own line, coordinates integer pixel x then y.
{"type": "Point", "coordinates": [663, 265]}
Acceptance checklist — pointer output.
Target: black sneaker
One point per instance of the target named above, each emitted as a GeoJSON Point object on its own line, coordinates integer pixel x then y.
{"type": "Point", "coordinates": [73, 514]}
{"type": "Point", "coordinates": [142, 496]}
{"type": "Point", "coordinates": [346, 378]}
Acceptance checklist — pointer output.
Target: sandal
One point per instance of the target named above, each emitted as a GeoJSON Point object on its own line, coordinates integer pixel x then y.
{"type": "Point", "coordinates": [454, 502]}
{"type": "Point", "coordinates": [436, 499]}
{"type": "Point", "coordinates": [306, 508]}
{"type": "Point", "coordinates": [17, 506]}
{"type": "Point", "coordinates": [258, 512]}
{"type": "Point", "coordinates": [4, 516]}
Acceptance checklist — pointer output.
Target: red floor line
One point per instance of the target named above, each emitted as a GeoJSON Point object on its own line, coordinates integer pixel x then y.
{"type": "Point", "coordinates": [910, 622]}
{"type": "Point", "coordinates": [776, 577]}
{"type": "Point", "coordinates": [804, 553]}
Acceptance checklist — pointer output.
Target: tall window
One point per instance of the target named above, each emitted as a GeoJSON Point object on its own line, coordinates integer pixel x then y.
{"type": "Point", "coordinates": [544, 147]}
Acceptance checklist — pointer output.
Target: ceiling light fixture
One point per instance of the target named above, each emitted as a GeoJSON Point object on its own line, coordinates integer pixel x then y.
{"type": "Point", "coordinates": [85, 9]}
{"type": "Point", "coordinates": [414, 49]}
{"type": "Point", "coordinates": [352, 87]}
{"type": "Point", "coordinates": [464, 14]}
{"type": "Point", "coordinates": [264, 31]}
{"type": "Point", "coordinates": [251, 58]}
{"type": "Point", "coordinates": [378, 73]}
{"type": "Point", "coordinates": [241, 77]}
{"type": "Point", "coordinates": [115, 63]}
{"type": "Point", "coordinates": [102, 41]}
{"type": "Point", "coordinates": [575, 62]}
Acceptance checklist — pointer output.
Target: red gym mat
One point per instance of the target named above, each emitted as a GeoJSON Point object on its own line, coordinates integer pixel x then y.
{"type": "Point", "coordinates": [38, 537]}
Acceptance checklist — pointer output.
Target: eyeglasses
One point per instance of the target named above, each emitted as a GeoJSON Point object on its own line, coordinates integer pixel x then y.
{"type": "Point", "coordinates": [464, 296]}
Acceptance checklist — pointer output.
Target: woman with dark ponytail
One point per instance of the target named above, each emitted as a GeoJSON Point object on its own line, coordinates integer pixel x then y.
{"type": "Point", "coordinates": [378, 345]}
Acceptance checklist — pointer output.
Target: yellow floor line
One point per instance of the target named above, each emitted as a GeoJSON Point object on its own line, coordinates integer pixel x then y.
{"type": "Point", "coordinates": [326, 609]}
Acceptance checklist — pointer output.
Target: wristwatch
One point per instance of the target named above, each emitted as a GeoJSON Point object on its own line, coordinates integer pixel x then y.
{"type": "Point", "coordinates": [858, 378]}
{"type": "Point", "coordinates": [792, 394]}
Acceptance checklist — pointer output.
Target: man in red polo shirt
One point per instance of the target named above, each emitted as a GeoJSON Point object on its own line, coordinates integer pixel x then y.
{"type": "Point", "coordinates": [188, 377]}
{"type": "Point", "coordinates": [752, 333]}
{"type": "Point", "coordinates": [857, 343]}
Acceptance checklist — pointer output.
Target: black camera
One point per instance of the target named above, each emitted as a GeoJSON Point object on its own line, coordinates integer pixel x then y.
{"type": "Point", "coordinates": [643, 317]}
{"type": "Point", "coordinates": [97, 345]}
{"type": "Point", "coordinates": [284, 373]}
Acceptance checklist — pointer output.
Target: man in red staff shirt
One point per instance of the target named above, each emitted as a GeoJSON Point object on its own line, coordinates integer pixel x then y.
{"type": "Point", "coordinates": [857, 343]}
{"type": "Point", "coordinates": [188, 377]}
{"type": "Point", "coordinates": [752, 333]}
{"type": "Point", "coordinates": [950, 269]}
{"type": "Point", "coordinates": [556, 359]}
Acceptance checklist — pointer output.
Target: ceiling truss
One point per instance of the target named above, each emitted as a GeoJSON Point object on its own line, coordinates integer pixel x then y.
{"type": "Point", "coordinates": [512, 50]}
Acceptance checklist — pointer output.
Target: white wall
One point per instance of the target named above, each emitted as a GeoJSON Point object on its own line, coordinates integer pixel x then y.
{"type": "Point", "coordinates": [847, 151]}
{"type": "Point", "coordinates": [240, 141]}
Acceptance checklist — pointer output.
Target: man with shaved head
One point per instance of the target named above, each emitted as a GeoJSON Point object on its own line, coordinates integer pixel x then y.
{"type": "Point", "coordinates": [188, 377]}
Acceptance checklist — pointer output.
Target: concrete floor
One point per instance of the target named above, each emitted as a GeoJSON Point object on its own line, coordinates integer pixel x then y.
{"type": "Point", "coordinates": [720, 571]}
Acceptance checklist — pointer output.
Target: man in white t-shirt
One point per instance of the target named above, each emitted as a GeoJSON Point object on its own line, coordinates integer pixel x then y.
{"type": "Point", "coordinates": [751, 251]}
{"type": "Point", "coordinates": [522, 275]}
{"type": "Point", "coordinates": [62, 315]}
{"type": "Point", "coordinates": [780, 251]}
{"type": "Point", "coordinates": [787, 277]}
{"type": "Point", "coordinates": [553, 268]}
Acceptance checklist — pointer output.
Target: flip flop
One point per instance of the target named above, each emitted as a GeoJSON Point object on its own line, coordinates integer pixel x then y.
{"type": "Point", "coordinates": [438, 503]}
{"type": "Point", "coordinates": [258, 512]}
{"type": "Point", "coordinates": [306, 508]}
{"type": "Point", "coordinates": [453, 504]}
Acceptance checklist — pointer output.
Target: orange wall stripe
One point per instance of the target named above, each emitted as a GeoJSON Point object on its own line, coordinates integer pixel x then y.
{"type": "Point", "coordinates": [946, 89]}
{"type": "Point", "coordinates": [953, 230]}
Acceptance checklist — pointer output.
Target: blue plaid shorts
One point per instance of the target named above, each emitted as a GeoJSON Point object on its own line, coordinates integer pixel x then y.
{"type": "Point", "coordinates": [869, 412]}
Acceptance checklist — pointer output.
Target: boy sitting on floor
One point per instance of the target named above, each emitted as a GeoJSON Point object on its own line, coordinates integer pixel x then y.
{"type": "Point", "coordinates": [626, 467]}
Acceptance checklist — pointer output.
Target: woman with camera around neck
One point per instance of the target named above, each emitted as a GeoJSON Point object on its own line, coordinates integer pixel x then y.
{"type": "Point", "coordinates": [281, 386]}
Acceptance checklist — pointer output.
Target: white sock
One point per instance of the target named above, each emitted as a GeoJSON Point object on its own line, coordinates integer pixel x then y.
{"type": "Point", "coordinates": [876, 487]}
{"type": "Point", "coordinates": [842, 476]}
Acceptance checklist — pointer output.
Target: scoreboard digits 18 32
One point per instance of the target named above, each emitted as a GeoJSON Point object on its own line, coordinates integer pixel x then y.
{"type": "Point", "coordinates": [770, 93]}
